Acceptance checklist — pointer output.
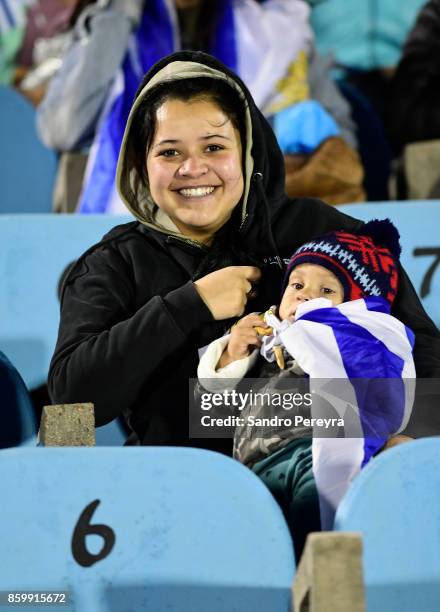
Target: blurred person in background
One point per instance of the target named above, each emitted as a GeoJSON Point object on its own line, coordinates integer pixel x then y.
{"type": "Point", "coordinates": [34, 34]}
{"type": "Point", "coordinates": [365, 39]}
{"type": "Point", "coordinates": [414, 113]}
{"type": "Point", "coordinates": [414, 109]}
{"type": "Point", "coordinates": [47, 35]}
{"type": "Point", "coordinates": [269, 45]}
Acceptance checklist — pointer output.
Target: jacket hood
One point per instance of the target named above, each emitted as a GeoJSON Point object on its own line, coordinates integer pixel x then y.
{"type": "Point", "coordinates": [263, 163]}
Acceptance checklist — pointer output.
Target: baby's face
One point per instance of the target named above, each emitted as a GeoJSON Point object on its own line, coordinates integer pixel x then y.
{"type": "Point", "coordinates": [307, 282]}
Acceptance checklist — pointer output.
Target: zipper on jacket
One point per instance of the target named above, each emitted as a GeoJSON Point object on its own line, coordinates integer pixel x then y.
{"type": "Point", "coordinates": [258, 178]}
{"type": "Point", "coordinates": [243, 222]}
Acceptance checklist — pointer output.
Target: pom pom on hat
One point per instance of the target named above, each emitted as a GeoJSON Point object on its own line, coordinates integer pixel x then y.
{"type": "Point", "coordinates": [383, 233]}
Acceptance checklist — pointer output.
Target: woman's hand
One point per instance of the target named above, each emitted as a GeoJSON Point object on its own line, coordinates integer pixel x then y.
{"type": "Point", "coordinates": [226, 291]}
{"type": "Point", "coordinates": [244, 339]}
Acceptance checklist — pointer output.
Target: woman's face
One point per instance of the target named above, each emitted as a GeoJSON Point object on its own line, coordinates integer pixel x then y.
{"type": "Point", "coordinates": [194, 166]}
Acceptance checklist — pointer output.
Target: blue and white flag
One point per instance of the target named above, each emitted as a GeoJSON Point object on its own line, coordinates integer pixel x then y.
{"type": "Point", "coordinates": [359, 359]}
{"type": "Point", "coordinates": [258, 41]}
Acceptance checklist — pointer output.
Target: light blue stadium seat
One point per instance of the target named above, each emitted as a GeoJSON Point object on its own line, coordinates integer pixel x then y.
{"type": "Point", "coordinates": [395, 503]}
{"type": "Point", "coordinates": [17, 418]}
{"type": "Point", "coordinates": [186, 530]}
{"type": "Point", "coordinates": [35, 249]}
{"type": "Point", "coordinates": [418, 222]}
{"type": "Point", "coordinates": [28, 168]}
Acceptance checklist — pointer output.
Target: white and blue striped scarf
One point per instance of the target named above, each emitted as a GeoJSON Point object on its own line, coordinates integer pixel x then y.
{"type": "Point", "coordinates": [359, 359]}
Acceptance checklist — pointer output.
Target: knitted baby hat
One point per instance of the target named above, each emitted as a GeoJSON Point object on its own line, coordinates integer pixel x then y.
{"type": "Point", "coordinates": [365, 261]}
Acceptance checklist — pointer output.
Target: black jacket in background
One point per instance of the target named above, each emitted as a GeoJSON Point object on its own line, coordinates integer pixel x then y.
{"type": "Point", "coordinates": [132, 321]}
{"type": "Point", "coordinates": [414, 111]}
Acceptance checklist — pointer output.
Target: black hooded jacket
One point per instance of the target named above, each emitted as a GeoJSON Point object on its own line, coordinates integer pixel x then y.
{"type": "Point", "coordinates": [131, 318]}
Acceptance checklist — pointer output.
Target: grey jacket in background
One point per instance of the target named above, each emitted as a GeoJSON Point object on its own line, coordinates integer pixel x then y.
{"type": "Point", "coordinates": [68, 116]}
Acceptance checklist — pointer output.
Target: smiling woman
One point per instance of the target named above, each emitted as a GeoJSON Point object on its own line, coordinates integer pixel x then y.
{"type": "Point", "coordinates": [200, 169]}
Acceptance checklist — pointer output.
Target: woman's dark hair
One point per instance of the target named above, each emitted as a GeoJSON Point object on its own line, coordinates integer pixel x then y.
{"type": "Point", "coordinates": [198, 88]}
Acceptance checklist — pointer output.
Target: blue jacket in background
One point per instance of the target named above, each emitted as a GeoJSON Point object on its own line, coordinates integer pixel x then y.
{"type": "Point", "coordinates": [363, 34]}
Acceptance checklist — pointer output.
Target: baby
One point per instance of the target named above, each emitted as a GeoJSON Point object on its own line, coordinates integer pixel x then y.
{"type": "Point", "coordinates": [334, 325]}
{"type": "Point", "coordinates": [305, 282]}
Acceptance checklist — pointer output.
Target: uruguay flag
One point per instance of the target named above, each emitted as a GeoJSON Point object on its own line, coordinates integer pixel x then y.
{"type": "Point", "coordinates": [360, 363]}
